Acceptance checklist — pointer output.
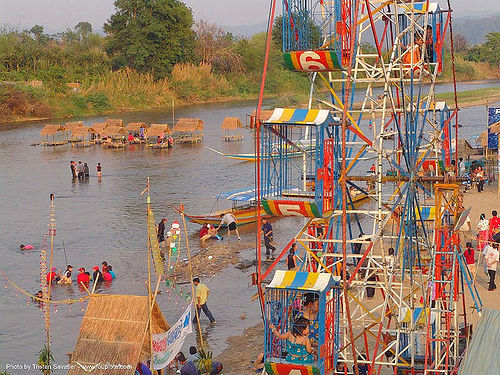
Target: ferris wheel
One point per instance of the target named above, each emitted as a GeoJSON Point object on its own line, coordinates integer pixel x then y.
{"type": "Point", "coordinates": [377, 187]}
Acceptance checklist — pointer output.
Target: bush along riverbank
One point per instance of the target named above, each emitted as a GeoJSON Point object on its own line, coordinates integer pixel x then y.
{"type": "Point", "coordinates": [80, 73]}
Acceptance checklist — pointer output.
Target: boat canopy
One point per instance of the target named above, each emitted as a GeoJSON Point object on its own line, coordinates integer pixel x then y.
{"type": "Point", "coordinates": [294, 116]}
{"type": "Point", "coordinates": [239, 195]}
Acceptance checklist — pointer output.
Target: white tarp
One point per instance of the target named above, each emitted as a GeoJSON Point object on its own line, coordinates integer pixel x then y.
{"type": "Point", "coordinates": [167, 344]}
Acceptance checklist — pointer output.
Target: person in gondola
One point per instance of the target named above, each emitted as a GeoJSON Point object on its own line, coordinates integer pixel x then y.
{"type": "Point", "coordinates": [429, 45]}
{"type": "Point", "coordinates": [310, 312]}
{"type": "Point", "coordinates": [298, 344]}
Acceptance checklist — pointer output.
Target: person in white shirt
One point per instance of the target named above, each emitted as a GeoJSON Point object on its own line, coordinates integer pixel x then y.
{"type": "Point", "coordinates": [229, 220]}
{"type": "Point", "coordinates": [484, 232]}
{"type": "Point", "coordinates": [461, 167]}
{"type": "Point", "coordinates": [491, 259]}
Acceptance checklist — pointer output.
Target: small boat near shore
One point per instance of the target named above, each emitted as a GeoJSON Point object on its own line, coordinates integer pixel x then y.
{"type": "Point", "coordinates": [244, 209]}
{"type": "Point", "coordinates": [302, 146]}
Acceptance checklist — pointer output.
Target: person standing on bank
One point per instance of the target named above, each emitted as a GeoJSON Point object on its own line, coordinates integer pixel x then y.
{"type": "Point", "coordinates": [491, 258]}
{"type": "Point", "coordinates": [267, 229]}
{"type": "Point", "coordinates": [229, 220]}
{"type": "Point", "coordinates": [202, 292]}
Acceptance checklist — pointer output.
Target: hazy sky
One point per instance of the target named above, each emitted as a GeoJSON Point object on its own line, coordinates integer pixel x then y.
{"type": "Point", "coordinates": [56, 15]}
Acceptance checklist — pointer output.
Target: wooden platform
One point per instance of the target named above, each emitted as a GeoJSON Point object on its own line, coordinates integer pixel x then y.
{"type": "Point", "coordinates": [232, 138]}
{"type": "Point", "coordinates": [189, 139]}
{"type": "Point", "coordinates": [81, 144]}
{"type": "Point", "coordinates": [54, 143]}
{"type": "Point", "coordinates": [113, 145]}
{"type": "Point", "coordinates": [158, 145]}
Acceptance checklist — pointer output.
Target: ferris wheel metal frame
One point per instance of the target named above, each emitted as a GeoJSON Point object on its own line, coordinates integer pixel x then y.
{"type": "Point", "coordinates": [411, 328]}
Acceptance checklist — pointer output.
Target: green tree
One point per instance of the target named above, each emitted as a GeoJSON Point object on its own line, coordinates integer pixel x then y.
{"type": "Point", "coordinates": [312, 31]}
{"type": "Point", "coordinates": [150, 35]}
{"type": "Point", "coordinates": [83, 29]}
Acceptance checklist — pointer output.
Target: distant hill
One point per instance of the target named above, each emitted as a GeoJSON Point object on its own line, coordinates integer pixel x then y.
{"type": "Point", "coordinates": [474, 29]}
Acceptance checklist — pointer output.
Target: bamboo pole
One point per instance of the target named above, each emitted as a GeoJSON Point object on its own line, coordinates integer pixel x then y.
{"type": "Point", "coordinates": [150, 307]}
{"type": "Point", "coordinates": [51, 233]}
{"type": "Point", "coordinates": [181, 210]}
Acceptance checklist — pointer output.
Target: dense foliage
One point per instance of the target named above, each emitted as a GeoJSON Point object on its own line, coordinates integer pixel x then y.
{"type": "Point", "coordinates": [150, 35]}
{"type": "Point", "coordinates": [487, 52]}
{"type": "Point", "coordinates": [153, 53]}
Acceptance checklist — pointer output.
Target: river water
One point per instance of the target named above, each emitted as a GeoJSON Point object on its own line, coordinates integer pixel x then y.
{"type": "Point", "coordinates": [105, 220]}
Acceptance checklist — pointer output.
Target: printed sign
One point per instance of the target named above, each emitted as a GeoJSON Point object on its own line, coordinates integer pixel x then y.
{"type": "Point", "coordinates": [493, 120]}
{"type": "Point", "coordinates": [167, 344]}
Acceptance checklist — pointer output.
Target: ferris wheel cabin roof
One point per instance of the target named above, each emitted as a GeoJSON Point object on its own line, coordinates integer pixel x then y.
{"type": "Point", "coordinates": [307, 281]}
{"type": "Point", "coordinates": [294, 116]}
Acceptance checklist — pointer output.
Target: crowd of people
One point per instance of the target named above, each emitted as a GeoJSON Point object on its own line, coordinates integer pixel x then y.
{"type": "Point", "coordinates": [488, 239]}
{"type": "Point", "coordinates": [84, 277]}
{"type": "Point", "coordinates": [81, 170]}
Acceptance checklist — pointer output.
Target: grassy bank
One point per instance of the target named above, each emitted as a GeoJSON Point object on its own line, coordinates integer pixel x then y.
{"type": "Point", "coordinates": [472, 97]}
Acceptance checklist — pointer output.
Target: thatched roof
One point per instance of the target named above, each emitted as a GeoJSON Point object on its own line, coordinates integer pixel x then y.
{"type": "Point", "coordinates": [73, 125]}
{"type": "Point", "coordinates": [158, 129]}
{"type": "Point", "coordinates": [495, 127]}
{"type": "Point", "coordinates": [112, 131]}
{"type": "Point", "coordinates": [115, 330]}
{"type": "Point", "coordinates": [483, 139]}
{"type": "Point", "coordinates": [99, 127]}
{"type": "Point", "coordinates": [114, 122]}
{"type": "Point", "coordinates": [464, 148]}
{"type": "Point", "coordinates": [231, 123]}
{"type": "Point", "coordinates": [265, 114]}
{"type": "Point", "coordinates": [135, 126]}
{"type": "Point", "coordinates": [81, 131]}
{"type": "Point", "coordinates": [52, 129]}
{"type": "Point", "coordinates": [188, 125]}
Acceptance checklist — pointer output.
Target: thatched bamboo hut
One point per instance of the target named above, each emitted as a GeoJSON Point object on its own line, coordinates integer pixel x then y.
{"type": "Point", "coordinates": [188, 130]}
{"type": "Point", "coordinates": [157, 135]}
{"type": "Point", "coordinates": [264, 116]}
{"type": "Point", "coordinates": [99, 127]}
{"type": "Point", "coordinates": [115, 331]}
{"type": "Point", "coordinates": [116, 137]}
{"type": "Point", "coordinates": [232, 129]}
{"type": "Point", "coordinates": [115, 132]}
{"type": "Point", "coordinates": [132, 127]}
{"type": "Point", "coordinates": [82, 136]}
{"type": "Point", "coordinates": [73, 125]}
{"type": "Point", "coordinates": [54, 135]}
{"type": "Point", "coordinates": [114, 122]}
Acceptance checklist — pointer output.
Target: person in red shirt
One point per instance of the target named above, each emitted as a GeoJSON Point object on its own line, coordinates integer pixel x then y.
{"type": "Point", "coordinates": [494, 223]}
{"type": "Point", "coordinates": [52, 275]}
{"type": "Point", "coordinates": [469, 258]}
{"type": "Point", "coordinates": [82, 277]}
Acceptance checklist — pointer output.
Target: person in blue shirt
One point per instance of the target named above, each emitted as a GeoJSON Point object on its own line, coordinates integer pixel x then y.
{"type": "Point", "coordinates": [111, 272]}
{"type": "Point", "coordinates": [267, 228]}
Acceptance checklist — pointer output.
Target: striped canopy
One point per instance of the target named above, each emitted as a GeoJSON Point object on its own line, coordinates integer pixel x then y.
{"type": "Point", "coordinates": [309, 281]}
{"type": "Point", "coordinates": [300, 116]}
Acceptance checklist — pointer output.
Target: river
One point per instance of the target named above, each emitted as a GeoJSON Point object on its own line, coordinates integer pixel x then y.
{"type": "Point", "coordinates": [105, 220]}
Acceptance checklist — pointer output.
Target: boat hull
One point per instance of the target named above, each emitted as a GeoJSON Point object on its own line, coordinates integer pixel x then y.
{"type": "Point", "coordinates": [243, 216]}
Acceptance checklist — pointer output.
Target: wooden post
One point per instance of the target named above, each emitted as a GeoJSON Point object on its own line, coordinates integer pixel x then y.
{"type": "Point", "coordinates": [193, 293]}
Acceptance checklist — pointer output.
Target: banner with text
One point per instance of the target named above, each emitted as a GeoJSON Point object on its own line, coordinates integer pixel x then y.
{"type": "Point", "coordinates": [167, 344]}
{"type": "Point", "coordinates": [493, 123]}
